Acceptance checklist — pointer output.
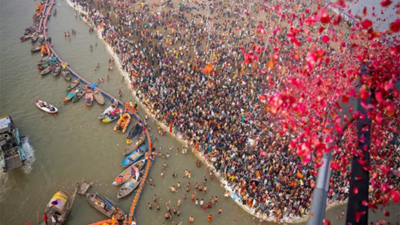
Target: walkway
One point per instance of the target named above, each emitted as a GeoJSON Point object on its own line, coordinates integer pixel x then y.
{"type": "Point", "coordinates": [43, 27]}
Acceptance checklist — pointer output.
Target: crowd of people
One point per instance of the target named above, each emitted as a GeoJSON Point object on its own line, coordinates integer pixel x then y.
{"type": "Point", "coordinates": [164, 48]}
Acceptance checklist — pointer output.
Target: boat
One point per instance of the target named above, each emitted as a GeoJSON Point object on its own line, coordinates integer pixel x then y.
{"type": "Point", "coordinates": [134, 145]}
{"type": "Point", "coordinates": [12, 152]}
{"type": "Point", "coordinates": [70, 95]}
{"type": "Point", "coordinates": [128, 187]}
{"type": "Point", "coordinates": [58, 208]}
{"type": "Point", "coordinates": [66, 75]}
{"type": "Point", "coordinates": [111, 116]}
{"type": "Point", "coordinates": [130, 108]}
{"type": "Point", "coordinates": [44, 106]}
{"type": "Point", "coordinates": [105, 206]}
{"type": "Point", "coordinates": [99, 97]}
{"type": "Point", "coordinates": [133, 133]}
{"type": "Point", "coordinates": [44, 60]}
{"type": "Point", "coordinates": [123, 123]}
{"type": "Point", "coordinates": [46, 71]}
{"type": "Point", "coordinates": [129, 172]}
{"type": "Point", "coordinates": [79, 95]}
{"type": "Point", "coordinates": [110, 108]}
{"type": "Point", "coordinates": [57, 70]}
{"type": "Point", "coordinates": [25, 37]}
{"type": "Point", "coordinates": [41, 39]}
{"type": "Point", "coordinates": [72, 85]}
{"type": "Point", "coordinates": [43, 66]}
{"type": "Point", "coordinates": [36, 48]}
{"type": "Point", "coordinates": [134, 156]}
{"type": "Point", "coordinates": [34, 37]}
{"type": "Point", "coordinates": [89, 97]}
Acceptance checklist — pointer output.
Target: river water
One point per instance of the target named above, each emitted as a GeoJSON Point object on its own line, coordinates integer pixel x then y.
{"type": "Point", "coordinates": [74, 145]}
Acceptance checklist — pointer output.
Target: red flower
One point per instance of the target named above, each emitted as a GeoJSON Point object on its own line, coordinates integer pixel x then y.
{"type": "Point", "coordinates": [366, 23]}
{"type": "Point", "coordinates": [395, 26]}
{"type": "Point", "coordinates": [386, 3]}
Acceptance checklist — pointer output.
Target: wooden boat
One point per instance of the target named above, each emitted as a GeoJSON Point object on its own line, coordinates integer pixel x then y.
{"type": "Point", "coordinates": [70, 95]}
{"type": "Point", "coordinates": [110, 108]}
{"type": "Point", "coordinates": [130, 108]}
{"type": "Point", "coordinates": [43, 66]}
{"type": "Point", "coordinates": [57, 70]}
{"type": "Point", "coordinates": [89, 97]}
{"type": "Point", "coordinates": [34, 37]}
{"type": "Point", "coordinates": [72, 85]}
{"type": "Point", "coordinates": [66, 75]}
{"type": "Point", "coordinates": [26, 37]}
{"type": "Point", "coordinates": [58, 208]}
{"type": "Point", "coordinates": [134, 156]}
{"type": "Point", "coordinates": [111, 116]}
{"type": "Point", "coordinates": [128, 187]}
{"type": "Point", "coordinates": [105, 206]}
{"type": "Point", "coordinates": [36, 48]}
{"type": "Point", "coordinates": [46, 71]}
{"type": "Point", "coordinates": [46, 107]}
{"type": "Point", "coordinates": [41, 39]}
{"type": "Point", "coordinates": [128, 172]}
{"type": "Point", "coordinates": [133, 133]}
{"type": "Point", "coordinates": [99, 97]}
{"type": "Point", "coordinates": [44, 60]}
{"type": "Point", "coordinates": [79, 95]}
{"type": "Point", "coordinates": [134, 145]}
{"type": "Point", "coordinates": [123, 123]}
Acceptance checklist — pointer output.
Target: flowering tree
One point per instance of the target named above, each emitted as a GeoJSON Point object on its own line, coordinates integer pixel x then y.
{"type": "Point", "coordinates": [313, 101]}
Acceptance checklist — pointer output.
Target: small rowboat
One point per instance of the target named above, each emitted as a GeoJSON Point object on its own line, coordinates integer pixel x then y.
{"type": "Point", "coordinates": [36, 48]}
{"type": "Point", "coordinates": [34, 37]}
{"type": "Point", "coordinates": [45, 71]}
{"type": "Point", "coordinates": [43, 66]}
{"type": "Point", "coordinates": [134, 156]}
{"type": "Point", "coordinates": [70, 95]}
{"type": "Point", "coordinates": [123, 123]}
{"type": "Point", "coordinates": [128, 187]}
{"type": "Point", "coordinates": [26, 37]}
{"type": "Point", "coordinates": [66, 75]}
{"type": "Point", "coordinates": [112, 107]}
{"type": "Point", "coordinates": [134, 145]}
{"type": "Point", "coordinates": [79, 95]}
{"type": "Point", "coordinates": [57, 70]}
{"type": "Point", "coordinates": [129, 172]}
{"type": "Point", "coordinates": [111, 116]}
{"type": "Point", "coordinates": [105, 206]}
{"type": "Point", "coordinates": [43, 61]}
{"type": "Point", "coordinates": [46, 107]}
{"type": "Point", "coordinates": [72, 85]}
{"type": "Point", "coordinates": [99, 97]}
{"type": "Point", "coordinates": [89, 97]}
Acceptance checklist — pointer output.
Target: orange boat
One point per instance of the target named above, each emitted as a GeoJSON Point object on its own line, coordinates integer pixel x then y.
{"type": "Point", "coordinates": [106, 222]}
{"type": "Point", "coordinates": [123, 123]}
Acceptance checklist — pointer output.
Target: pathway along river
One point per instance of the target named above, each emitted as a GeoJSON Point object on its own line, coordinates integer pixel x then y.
{"type": "Point", "coordinates": [75, 144]}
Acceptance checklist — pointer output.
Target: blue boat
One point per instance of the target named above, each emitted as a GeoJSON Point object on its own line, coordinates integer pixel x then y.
{"type": "Point", "coordinates": [134, 156]}
{"type": "Point", "coordinates": [12, 152]}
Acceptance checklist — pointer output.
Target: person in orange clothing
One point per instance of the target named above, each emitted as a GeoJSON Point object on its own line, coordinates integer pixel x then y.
{"type": "Point", "coordinates": [191, 219]}
{"type": "Point", "coordinates": [209, 218]}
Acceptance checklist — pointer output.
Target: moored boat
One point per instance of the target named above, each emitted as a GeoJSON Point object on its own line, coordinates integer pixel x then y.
{"type": "Point", "coordinates": [57, 70]}
{"type": "Point", "coordinates": [72, 85]}
{"type": "Point", "coordinates": [12, 152]}
{"type": "Point", "coordinates": [34, 37]}
{"type": "Point", "coordinates": [66, 75]}
{"type": "Point", "coordinates": [70, 95]}
{"type": "Point", "coordinates": [113, 115]}
{"type": "Point", "coordinates": [113, 106]}
{"type": "Point", "coordinates": [128, 187]}
{"type": "Point", "coordinates": [89, 97]}
{"type": "Point", "coordinates": [105, 206]}
{"type": "Point", "coordinates": [133, 133]}
{"type": "Point", "coordinates": [36, 48]}
{"type": "Point", "coordinates": [134, 156]}
{"type": "Point", "coordinates": [79, 95]}
{"type": "Point", "coordinates": [58, 208]}
{"type": "Point", "coordinates": [133, 170]}
{"type": "Point", "coordinates": [99, 97]}
{"type": "Point", "coordinates": [134, 145]}
{"type": "Point", "coordinates": [46, 107]}
{"type": "Point", "coordinates": [123, 123]}
{"type": "Point", "coordinates": [46, 71]}
{"type": "Point", "coordinates": [25, 37]}
{"type": "Point", "coordinates": [43, 66]}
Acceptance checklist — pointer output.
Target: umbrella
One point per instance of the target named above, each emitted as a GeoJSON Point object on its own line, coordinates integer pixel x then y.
{"type": "Point", "coordinates": [93, 86]}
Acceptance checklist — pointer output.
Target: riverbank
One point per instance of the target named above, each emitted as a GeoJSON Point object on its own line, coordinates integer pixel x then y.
{"type": "Point", "coordinates": [180, 138]}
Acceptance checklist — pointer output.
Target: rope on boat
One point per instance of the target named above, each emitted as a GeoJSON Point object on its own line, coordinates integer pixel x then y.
{"type": "Point", "coordinates": [43, 25]}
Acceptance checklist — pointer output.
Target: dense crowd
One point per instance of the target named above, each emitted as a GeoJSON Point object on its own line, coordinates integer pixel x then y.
{"type": "Point", "coordinates": [164, 48]}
